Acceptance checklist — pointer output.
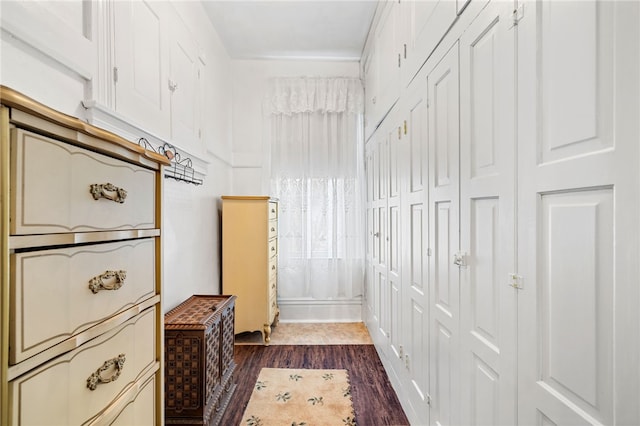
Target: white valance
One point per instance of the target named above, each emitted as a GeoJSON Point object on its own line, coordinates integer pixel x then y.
{"type": "Point", "coordinates": [314, 94]}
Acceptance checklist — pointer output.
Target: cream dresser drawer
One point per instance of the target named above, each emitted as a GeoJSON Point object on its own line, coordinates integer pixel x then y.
{"type": "Point", "coordinates": [52, 186]}
{"type": "Point", "coordinates": [273, 211]}
{"type": "Point", "coordinates": [59, 391]}
{"type": "Point", "coordinates": [273, 247]}
{"type": "Point", "coordinates": [273, 229]}
{"type": "Point", "coordinates": [140, 409]}
{"type": "Point", "coordinates": [61, 292]}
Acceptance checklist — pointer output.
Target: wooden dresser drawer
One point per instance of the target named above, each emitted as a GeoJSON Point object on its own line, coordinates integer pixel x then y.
{"type": "Point", "coordinates": [52, 182]}
{"type": "Point", "coordinates": [59, 391]}
{"type": "Point", "coordinates": [61, 292]}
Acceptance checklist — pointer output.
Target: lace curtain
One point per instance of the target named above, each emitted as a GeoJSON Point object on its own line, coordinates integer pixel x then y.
{"type": "Point", "coordinates": [317, 173]}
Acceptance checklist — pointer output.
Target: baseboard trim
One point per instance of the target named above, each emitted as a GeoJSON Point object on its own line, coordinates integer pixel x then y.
{"type": "Point", "coordinates": [306, 310]}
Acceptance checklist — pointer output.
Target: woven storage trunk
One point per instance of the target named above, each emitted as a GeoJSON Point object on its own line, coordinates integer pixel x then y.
{"type": "Point", "coordinates": [199, 360]}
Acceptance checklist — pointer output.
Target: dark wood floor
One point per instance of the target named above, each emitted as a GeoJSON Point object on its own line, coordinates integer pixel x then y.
{"type": "Point", "coordinates": [374, 400]}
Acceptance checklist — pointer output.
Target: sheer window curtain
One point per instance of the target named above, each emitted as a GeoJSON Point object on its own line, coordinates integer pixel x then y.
{"type": "Point", "coordinates": [317, 174]}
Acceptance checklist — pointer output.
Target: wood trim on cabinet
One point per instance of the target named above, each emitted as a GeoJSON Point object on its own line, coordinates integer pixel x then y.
{"type": "Point", "coordinates": [18, 101]}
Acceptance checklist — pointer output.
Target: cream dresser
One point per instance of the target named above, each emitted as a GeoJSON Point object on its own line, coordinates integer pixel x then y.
{"type": "Point", "coordinates": [81, 317]}
{"type": "Point", "coordinates": [250, 261]}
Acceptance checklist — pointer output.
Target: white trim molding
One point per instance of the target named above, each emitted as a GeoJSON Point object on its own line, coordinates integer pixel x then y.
{"type": "Point", "coordinates": [312, 310]}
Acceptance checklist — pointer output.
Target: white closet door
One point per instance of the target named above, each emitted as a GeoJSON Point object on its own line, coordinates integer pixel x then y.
{"type": "Point", "coordinates": [371, 230]}
{"type": "Point", "coordinates": [487, 187]}
{"type": "Point", "coordinates": [415, 266]}
{"type": "Point", "coordinates": [578, 137]}
{"type": "Point", "coordinates": [444, 238]}
{"type": "Point", "coordinates": [394, 238]}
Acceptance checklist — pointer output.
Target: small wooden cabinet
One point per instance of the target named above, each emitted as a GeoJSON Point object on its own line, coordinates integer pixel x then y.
{"type": "Point", "coordinates": [250, 260]}
{"type": "Point", "coordinates": [199, 363]}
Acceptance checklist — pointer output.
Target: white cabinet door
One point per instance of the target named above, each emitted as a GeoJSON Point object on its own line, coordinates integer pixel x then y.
{"type": "Point", "coordinates": [387, 43]}
{"type": "Point", "coordinates": [444, 238]}
{"type": "Point", "coordinates": [427, 21]}
{"type": "Point", "coordinates": [370, 73]}
{"type": "Point", "coordinates": [487, 208]}
{"type": "Point", "coordinates": [184, 84]}
{"type": "Point", "coordinates": [141, 93]}
{"type": "Point", "coordinates": [415, 264]}
{"type": "Point", "coordinates": [578, 87]}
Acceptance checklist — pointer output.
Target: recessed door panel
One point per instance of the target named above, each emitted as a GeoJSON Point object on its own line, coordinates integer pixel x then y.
{"type": "Point", "coordinates": [443, 284]}
{"type": "Point", "coordinates": [576, 324]}
{"type": "Point", "coordinates": [575, 90]}
{"type": "Point", "coordinates": [484, 283]}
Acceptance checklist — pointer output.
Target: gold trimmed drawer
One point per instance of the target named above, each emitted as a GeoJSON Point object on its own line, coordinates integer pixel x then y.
{"type": "Point", "coordinates": [273, 210]}
{"type": "Point", "coordinates": [273, 268]}
{"type": "Point", "coordinates": [273, 247]}
{"type": "Point", "coordinates": [81, 385]}
{"type": "Point", "coordinates": [139, 407]}
{"type": "Point", "coordinates": [272, 309]}
{"type": "Point", "coordinates": [273, 229]}
{"type": "Point", "coordinates": [58, 293]}
{"type": "Point", "coordinates": [58, 187]}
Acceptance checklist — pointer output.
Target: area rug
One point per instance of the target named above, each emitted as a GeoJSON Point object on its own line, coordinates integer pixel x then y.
{"type": "Point", "coordinates": [297, 397]}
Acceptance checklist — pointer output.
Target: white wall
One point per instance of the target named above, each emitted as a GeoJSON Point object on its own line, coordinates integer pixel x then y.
{"type": "Point", "coordinates": [251, 158]}
{"type": "Point", "coordinates": [36, 60]}
{"type": "Point", "coordinates": [250, 148]}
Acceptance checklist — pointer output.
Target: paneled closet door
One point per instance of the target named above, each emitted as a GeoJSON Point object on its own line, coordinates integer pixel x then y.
{"type": "Point", "coordinates": [578, 137]}
{"type": "Point", "coordinates": [415, 266]}
{"type": "Point", "coordinates": [394, 238]}
{"type": "Point", "coordinates": [368, 309]}
{"type": "Point", "coordinates": [444, 238]}
{"type": "Point", "coordinates": [487, 207]}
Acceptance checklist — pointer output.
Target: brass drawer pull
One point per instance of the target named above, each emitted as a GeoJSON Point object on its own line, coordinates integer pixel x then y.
{"type": "Point", "coordinates": [95, 379]}
{"type": "Point", "coordinates": [97, 283]}
{"type": "Point", "coordinates": [108, 191]}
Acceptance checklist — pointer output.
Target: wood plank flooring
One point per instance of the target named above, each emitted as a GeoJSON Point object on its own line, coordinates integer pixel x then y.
{"type": "Point", "coordinates": [374, 400]}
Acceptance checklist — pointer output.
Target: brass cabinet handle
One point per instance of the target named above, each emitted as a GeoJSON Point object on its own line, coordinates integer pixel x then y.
{"type": "Point", "coordinates": [97, 283]}
{"type": "Point", "coordinates": [108, 191]}
{"type": "Point", "coordinates": [96, 378]}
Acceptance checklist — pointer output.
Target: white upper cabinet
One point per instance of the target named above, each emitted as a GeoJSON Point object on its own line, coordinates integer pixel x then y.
{"type": "Point", "coordinates": [140, 65]}
{"type": "Point", "coordinates": [370, 76]}
{"type": "Point", "coordinates": [387, 40]}
{"type": "Point", "coordinates": [381, 64]}
{"type": "Point", "coordinates": [59, 30]}
{"type": "Point", "coordinates": [148, 74]}
{"type": "Point", "coordinates": [425, 23]}
{"type": "Point", "coordinates": [183, 83]}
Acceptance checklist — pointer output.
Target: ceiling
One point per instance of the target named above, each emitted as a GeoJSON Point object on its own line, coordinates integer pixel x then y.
{"type": "Point", "coordinates": [297, 29]}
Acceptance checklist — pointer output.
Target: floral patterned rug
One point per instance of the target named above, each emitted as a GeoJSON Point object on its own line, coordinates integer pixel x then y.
{"type": "Point", "coordinates": [300, 397]}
